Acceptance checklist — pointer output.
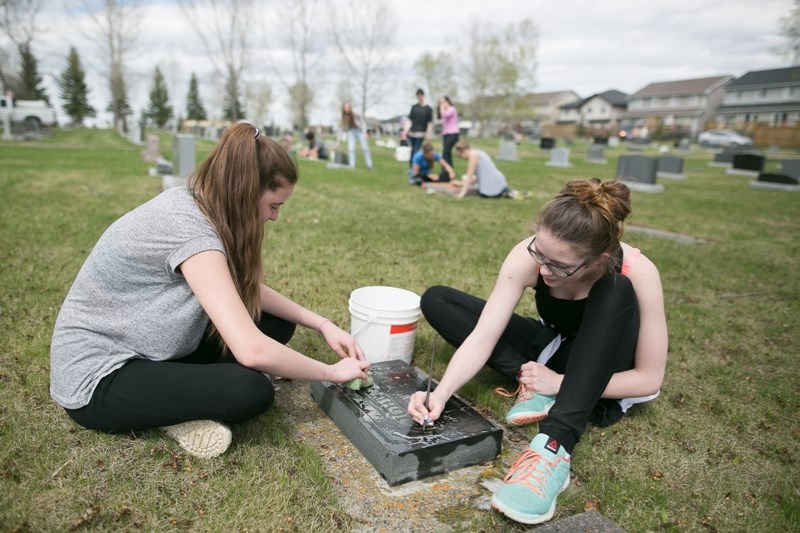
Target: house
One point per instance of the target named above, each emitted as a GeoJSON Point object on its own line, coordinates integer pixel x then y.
{"type": "Point", "coordinates": [546, 106]}
{"type": "Point", "coordinates": [601, 111]}
{"type": "Point", "coordinates": [770, 97]}
{"type": "Point", "coordinates": [677, 108]}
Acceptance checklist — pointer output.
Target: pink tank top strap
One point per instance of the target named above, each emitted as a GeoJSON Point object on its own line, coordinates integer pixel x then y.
{"type": "Point", "coordinates": [629, 260]}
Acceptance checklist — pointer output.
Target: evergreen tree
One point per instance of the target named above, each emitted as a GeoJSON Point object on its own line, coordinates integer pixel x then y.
{"type": "Point", "coordinates": [29, 87]}
{"type": "Point", "coordinates": [233, 109]}
{"type": "Point", "coordinates": [73, 91]}
{"type": "Point", "coordinates": [159, 110]}
{"type": "Point", "coordinates": [194, 106]}
{"type": "Point", "coordinates": [119, 104]}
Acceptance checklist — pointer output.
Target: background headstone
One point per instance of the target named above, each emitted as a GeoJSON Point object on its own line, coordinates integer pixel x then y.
{"type": "Point", "coordinates": [779, 182]}
{"type": "Point", "coordinates": [613, 142]}
{"type": "Point", "coordinates": [559, 157]}
{"type": "Point", "coordinates": [596, 154]}
{"type": "Point", "coordinates": [638, 172]}
{"type": "Point", "coordinates": [183, 155]}
{"type": "Point", "coordinates": [746, 164]}
{"type": "Point", "coordinates": [152, 150]}
{"type": "Point", "coordinates": [547, 143]}
{"type": "Point", "coordinates": [508, 151]}
{"type": "Point", "coordinates": [790, 167]}
{"type": "Point", "coordinates": [670, 166]}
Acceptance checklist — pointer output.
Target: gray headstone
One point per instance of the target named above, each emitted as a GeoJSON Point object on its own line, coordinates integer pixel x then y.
{"type": "Point", "coordinates": [670, 166]}
{"type": "Point", "coordinates": [152, 151]}
{"type": "Point", "coordinates": [636, 168]}
{"type": "Point", "coordinates": [596, 153]}
{"type": "Point", "coordinates": [559, 157]}
{"type": "Point", "coordinates": [183, 155]}
{"type": "Point", "coordinates": [613, 142]}
{"type": "Point", "coordinates": [684, 145]}
{"type": "Point", "coordinates": [508, 151]}
{"type": "Point", "coordinates": [376, 422]}
{"type": "Point", "coordinates": [791, 167]}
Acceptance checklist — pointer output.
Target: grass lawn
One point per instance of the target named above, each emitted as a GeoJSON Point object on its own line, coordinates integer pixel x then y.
{"type": "Point", "coordinates": [717, 451]}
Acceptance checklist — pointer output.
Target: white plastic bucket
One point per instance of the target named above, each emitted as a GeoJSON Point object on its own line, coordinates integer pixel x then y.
{"type": "Point", "coordinates": [384, 320]}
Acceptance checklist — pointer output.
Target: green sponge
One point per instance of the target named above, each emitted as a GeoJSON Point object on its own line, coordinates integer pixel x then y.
{"type": "Point", "coordinates": [358, 383]}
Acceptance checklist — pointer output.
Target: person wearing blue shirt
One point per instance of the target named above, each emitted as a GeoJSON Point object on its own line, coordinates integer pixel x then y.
{"type": "Point", "coordinates": [422, 164]}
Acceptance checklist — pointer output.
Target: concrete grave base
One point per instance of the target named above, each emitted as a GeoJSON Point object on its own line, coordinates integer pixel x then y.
{"type": "Point", "coordinates": [644, 187]}
{"type": "Point", "coordinates": [376, 422]}
{"type": "Point", "coordinates": [672, 175]}
{"type": "Point", "coordinates": [740, 172]}
{"type": "Point", "coordinates": [774, 186]}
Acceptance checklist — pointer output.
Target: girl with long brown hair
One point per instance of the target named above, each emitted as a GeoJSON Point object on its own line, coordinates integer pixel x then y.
{"type": "Point", "coordinates": [599, 348]}
{"type": "Point", "coordinates": [169, 323]}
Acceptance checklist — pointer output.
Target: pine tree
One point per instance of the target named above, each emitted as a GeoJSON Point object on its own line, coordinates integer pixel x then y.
{"type": "Point", "coordinates": [119, 105]}
{"type": "Point", "coordinates": [233, 110]}
{"type": "Point", "coordinates": [30, 82]}
{"type": "Point", "coordinates": [194, 106]}
{"type": "Point", "coordinates": [73, 91]}
{"type": "Point", "coordinates": [159, 110]}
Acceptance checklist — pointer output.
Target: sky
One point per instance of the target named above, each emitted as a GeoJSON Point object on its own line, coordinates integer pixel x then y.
{"type": "Point", "coordinates": [587, 46]}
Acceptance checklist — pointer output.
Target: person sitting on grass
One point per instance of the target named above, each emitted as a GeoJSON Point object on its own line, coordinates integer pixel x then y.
{"type": "Point", "coordinates": [422, 166]}
{"type": "Point", "coordinates": [315, 149]}
{"type": "Point", "coordinates": [599, 348]}
{"type": "Point", "coordinates": [482, 178]}
{"type": "Point", "coordinates": [169, 324]}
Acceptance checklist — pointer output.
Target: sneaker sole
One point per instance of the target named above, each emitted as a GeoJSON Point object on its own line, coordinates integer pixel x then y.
{"type": "Point", "coordinates": [201, 438]}
{"type": "Point", "coordinates": [524, 518]}
{"type": "Point", "coordinates": [526, 419]}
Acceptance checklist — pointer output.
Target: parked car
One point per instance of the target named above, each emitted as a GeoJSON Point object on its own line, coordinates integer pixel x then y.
{"type": "Point", "coordinates": [32, 114]}
{"type": "Point", "coordinates": [722, 138]}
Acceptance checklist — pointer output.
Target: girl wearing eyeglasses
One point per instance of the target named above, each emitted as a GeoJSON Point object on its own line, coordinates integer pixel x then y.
{"type": "Point", "coordinates": [169, 323]}
{"type": "Point", "coordinates": [599, 348]}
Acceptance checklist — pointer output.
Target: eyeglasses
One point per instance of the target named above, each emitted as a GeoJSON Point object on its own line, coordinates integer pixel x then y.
{"type": "Point", "coordinates": [557, 271]}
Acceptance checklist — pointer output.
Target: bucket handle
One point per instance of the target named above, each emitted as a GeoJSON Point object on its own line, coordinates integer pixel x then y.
{"type": "Point", "coordinates": [364, 327]}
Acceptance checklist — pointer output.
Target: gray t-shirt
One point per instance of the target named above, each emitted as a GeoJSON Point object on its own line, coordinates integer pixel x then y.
{"type": "Point", "coordinates": [128, 300]}
{"type": "Point", "coordinates": [491, 182]}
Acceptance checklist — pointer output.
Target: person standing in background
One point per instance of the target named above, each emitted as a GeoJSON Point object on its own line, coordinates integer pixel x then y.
{"type": "Point", "coordinates": [448, 114]}
{"type": "Point", "coordinates": [420, 127]}
{"type": "Point", "coordinates": [352, 125]}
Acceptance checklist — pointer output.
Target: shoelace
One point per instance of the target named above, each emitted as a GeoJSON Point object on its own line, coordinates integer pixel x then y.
{"type": "Point", "coordinates": [521, 392]}
{"type": "Point", "coordinates": [525, 469]}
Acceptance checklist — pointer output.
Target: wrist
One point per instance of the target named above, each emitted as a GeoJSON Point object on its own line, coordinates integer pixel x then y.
{"type": "Point", "coordinates": [324, 322]}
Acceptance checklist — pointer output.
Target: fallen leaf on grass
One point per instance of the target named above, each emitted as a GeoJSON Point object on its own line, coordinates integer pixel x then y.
{"type": "Point", "coordinates": [87, 517]}
{"type": "Point", "coordinates": [591, 505]}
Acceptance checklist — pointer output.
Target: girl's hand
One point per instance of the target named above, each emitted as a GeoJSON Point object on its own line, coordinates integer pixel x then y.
{"type": "Point", "coordinates": [341, 342]}
{"type": "Point", "coordinates": [418, 411]}
{"type": "Point", "coordinates": [348, 369]}
{"type": "Point", "coordinates": [540, 379]}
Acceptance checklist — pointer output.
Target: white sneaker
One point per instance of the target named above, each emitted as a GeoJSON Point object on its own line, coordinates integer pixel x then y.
{"type": "Point", "coordinates": [201, 438]}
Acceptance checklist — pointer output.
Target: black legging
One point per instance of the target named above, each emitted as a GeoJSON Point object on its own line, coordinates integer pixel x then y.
{"type": "Point", "coordinates": [449, 140]}
{"type": "Point", "coordinates": [204, 385]}
{"type": "Point", "coordinates": [605, 344]}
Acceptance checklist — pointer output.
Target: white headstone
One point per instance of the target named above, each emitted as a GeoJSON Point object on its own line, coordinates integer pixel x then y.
{"type": "Point", "coordinates": [559, 157]}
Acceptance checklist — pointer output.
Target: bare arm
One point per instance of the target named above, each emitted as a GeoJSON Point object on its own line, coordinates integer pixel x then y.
{"type": "Point", "coordinates": [469, 177]}
{"type": "Point", "coordinates": [209, 278]}
{"type": "Point", "coordinates": [517, 273]}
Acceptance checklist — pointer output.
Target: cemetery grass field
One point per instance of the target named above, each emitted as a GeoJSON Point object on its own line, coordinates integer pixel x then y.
{"type": "Point", "coordinates": [717, 451]}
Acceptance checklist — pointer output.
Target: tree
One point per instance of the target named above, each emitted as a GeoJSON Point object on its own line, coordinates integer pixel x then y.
{"type": "Point", "coordinates": [363, 33]}
{"type": "Point", "coordinates": [259, 100]}
{"type": "Point", "coordinates": [298, 30]}
{"type": "Point", "coordinates": [500, 68]}
{"type": "Point", "coordinates": [18, 23]}
{"type": "Point", "coordinates": [29, 86]}
{"type": "Point", "coordinates": [159, 110]}
{"type": "Point", "coordinates": [225, 31]}
{"type": "Point", "coordinates": [118, 22]}
{"type": "Point", "coordinates": [437, 74]}
{"type": "Point", "coordinates": [790, 30]}
{"type": "Point", "coordinates": [194, 105]}
{"type": "Point", "coordinates": [73, 91]}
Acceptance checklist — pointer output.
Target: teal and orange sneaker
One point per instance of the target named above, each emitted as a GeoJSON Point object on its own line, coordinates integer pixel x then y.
{"type": "Point", "coordinates": [529, 491]}
{"type": "Point", "coordinates": [529, 408]}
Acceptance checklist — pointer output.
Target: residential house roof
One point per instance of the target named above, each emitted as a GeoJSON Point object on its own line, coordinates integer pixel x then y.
{"type": "Point", "coordinates": [546, 98]}
{"type": "Point", "coordinates": [614, 97]}
{"type": "Point", "coordinates": [699, 85]}
{"type": "Point", "coordinates": [760, 78]}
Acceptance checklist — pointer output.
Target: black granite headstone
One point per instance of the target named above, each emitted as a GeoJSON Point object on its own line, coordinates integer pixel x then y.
{"type": "Point", "coordinates": [546, 143]}
{"type": "Point", "coordinates": [636, 168]}
{"type": "Point", "coordinates": [600, 140]}
{"type": "Point", "coordinates": [376, 422]}
{"type": "Point", "coordinates": [669, 163]}
{"type": "Point", "coordinates": [778, 178]}
{"type": "Point", "coordinates": [748, 161]}
{"type": "Point", "coordinates": [791, 167]}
